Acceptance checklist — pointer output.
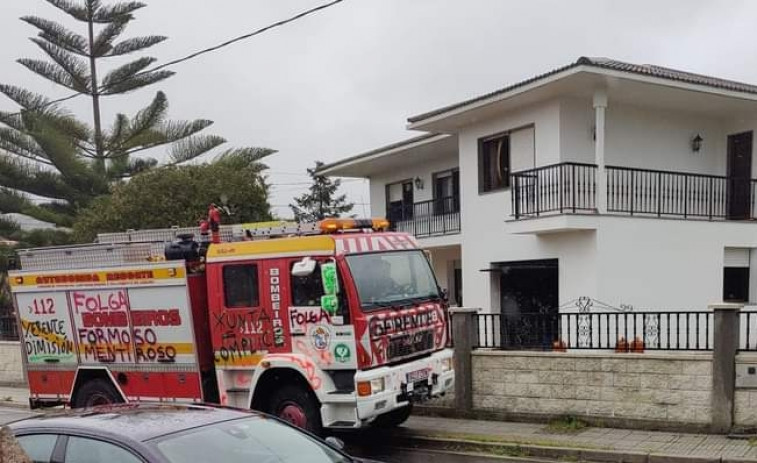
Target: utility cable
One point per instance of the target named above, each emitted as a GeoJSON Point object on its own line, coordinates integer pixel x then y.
{"type": "Point", "coordinates": [195, 54]}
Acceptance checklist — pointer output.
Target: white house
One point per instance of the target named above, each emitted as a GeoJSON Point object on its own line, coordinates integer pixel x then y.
{"type": "Point", "coordinates": [633, 185]}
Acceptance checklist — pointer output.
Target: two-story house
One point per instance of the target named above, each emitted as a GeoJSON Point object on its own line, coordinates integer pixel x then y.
{"type": "Point", "coordinates": [628, 184]}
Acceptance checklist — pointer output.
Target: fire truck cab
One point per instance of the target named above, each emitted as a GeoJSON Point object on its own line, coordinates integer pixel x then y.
{"type": "Point", "coordinates": [336, 324]}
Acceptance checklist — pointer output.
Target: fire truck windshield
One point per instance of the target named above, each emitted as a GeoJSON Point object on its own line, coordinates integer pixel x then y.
{"type": "Point", "coordinates": [392, 279]}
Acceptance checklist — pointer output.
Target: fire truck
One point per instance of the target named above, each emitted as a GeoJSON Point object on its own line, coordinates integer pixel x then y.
{"type": "Point", "coordinates": [336, 324]}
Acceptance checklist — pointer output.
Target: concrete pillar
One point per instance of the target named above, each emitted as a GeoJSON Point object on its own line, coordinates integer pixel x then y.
{"type": "Point", "coordinates": [464, 333]}
{"type": "Point", "coordinates": [725, 346]}
{"type": "Point", "coordinates": [600, 105]}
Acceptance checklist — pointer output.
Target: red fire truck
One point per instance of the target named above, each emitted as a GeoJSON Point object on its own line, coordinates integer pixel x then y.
{"type": "Point", "coordinates": [336, 324]}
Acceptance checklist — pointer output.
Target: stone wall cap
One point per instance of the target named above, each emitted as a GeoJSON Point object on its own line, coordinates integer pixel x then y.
{"type": "Point", "coordinates": [725, 306]}
{"type": "Point", "coordinates": [454, 310]}
{"type": "Point", "coordinates": [686, 356]}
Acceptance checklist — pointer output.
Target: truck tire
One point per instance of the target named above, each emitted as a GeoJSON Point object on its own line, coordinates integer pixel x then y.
{"type": "Point", "coordinates": [393, 418]}
{"type": "Point", "coordinates": [297, 405]}
{"type": "Point", "coordinates": [96, 392]}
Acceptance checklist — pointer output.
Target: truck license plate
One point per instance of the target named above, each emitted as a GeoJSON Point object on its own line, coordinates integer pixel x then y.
{"type": "Point", "coordinates": [418, 375]}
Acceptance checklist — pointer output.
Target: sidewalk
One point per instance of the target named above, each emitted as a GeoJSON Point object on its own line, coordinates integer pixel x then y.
{"type": "Point", "coordinates": [14, 397]}
{"type": "Point", "coordinates": [597, 444]}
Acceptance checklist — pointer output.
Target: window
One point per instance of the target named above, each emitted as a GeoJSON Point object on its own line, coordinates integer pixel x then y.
{"type": "Point", "coordinates": [249, 440]}
{"type": "Point", "coordinates": [307, 291]}
{"type": "Point", "coordinates": [447, 192]}
{"type": "Point", "coordinates": [736, 284]}
{"type": "Point", "coordinates": [494, 163]}
{"type": "Point", "coordinates": [82, 450]}
{"type": "Point", "coordinates": [240, 286]}
{"type": "Point", "coordinates": [386, 279]}
{"type": "Point", "coordinates": [399, 201]}
{"type": "Point", "coordinates": [39, 447]}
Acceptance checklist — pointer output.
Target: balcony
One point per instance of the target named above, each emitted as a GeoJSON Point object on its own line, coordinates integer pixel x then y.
{"type": "Point", "coordinates": [435, 217]}
{"type": "Point", "coordinates": [570, 188]}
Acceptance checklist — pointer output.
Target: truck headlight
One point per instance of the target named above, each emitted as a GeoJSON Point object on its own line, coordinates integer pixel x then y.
{"type": "Point", "coordinates": [377, 385]}
{"type": "Point", "coordinates": [367, 388]}
{"type": "Point", "coordinates": [447, 364]}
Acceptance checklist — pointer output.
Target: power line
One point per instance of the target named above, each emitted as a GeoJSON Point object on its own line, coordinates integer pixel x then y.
{"type": "Point", "coordinates": [197, 53]}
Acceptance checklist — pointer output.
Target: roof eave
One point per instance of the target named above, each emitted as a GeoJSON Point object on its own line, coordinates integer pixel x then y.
{"type": "Point", "coordinates": [336, 168]}
{"type": "Point", "coordinates": [423, 121]}
{"type": "Point", "coordinates": [430, 120]}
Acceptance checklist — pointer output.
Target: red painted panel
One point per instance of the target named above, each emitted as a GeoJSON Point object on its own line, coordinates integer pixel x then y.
{"type": "Point", "coordinates": [142, 384]}
{"type": "Point", "coordinates": [50, 382]}
{"type": "Point", "coordinates": [183, 385]}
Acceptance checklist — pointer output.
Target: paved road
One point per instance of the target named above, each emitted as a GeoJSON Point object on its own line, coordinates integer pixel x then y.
{"type": "Point", "coordinates": [8, 414]}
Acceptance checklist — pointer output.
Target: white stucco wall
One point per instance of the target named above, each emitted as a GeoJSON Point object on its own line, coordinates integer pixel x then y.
{"type": "Point", "coordinates": [443, 262]}
{"type": "Point", "coordinates": [649, 138]}
{"type": "Point", "coordinates": [409, 170]}
{"type": "Point", "coordinates": [658, 263]}
{"type": "Point", "coordinates": [484, 239]}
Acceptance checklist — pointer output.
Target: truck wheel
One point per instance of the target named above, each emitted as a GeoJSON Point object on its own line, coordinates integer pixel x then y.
{"type": "Point", "coordinates": [393, 418]}
{"type": "Point", "coordinates": [96, 392]}
{"type": "Point", "coordinates": [297, 406]}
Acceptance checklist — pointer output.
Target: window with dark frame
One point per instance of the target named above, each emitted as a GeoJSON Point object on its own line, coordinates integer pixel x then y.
{"type": "Point", "coordinates": [399, 201]}
{"type": "Point", "coordinates": [446, 192]}
{"type": "Point", "coordinates": [736, 284]}
{"type": "Point", "coordinates": [240, 286]}
{"type": "Point", "coordinates": [307, 290]}
{"type": "Point", "coordinates": [494, 163]}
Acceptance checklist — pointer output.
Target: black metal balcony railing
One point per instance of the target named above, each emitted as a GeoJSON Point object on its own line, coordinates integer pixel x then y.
{"type": "Point", "coordinates": [663, 193]}
{"type": "Point", "coordinates": [440, 216]}
{"type": "Point", "coordinates": [564, 187]}
{"type": "Point", "coordinates": [572, 187]}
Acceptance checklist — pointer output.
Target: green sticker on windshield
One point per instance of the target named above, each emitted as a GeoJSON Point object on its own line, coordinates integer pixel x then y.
{"type": "Point", "coordinates": [330, 303]}
{"type": "Point", "coordinates": [329, 278]}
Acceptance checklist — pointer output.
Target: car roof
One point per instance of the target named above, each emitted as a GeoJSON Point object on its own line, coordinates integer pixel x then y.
{"type": "Point", "coordinates": [139, 422]}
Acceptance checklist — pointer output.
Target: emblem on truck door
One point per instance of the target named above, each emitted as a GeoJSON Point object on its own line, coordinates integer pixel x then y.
{"type": "Point", "coordinates": [321, 337]}
{"type": "Point", "coordinates": [342, 353]}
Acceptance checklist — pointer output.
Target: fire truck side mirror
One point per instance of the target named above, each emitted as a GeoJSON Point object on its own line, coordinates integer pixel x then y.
{"type": "Point", "coordinates": [303, 268]}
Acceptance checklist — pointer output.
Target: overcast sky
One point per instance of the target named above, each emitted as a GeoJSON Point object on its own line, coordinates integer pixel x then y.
{"type": "Point", "coordinates": [344, 80]}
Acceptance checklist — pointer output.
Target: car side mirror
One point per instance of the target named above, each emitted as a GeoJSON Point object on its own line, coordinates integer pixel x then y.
{"type": "Point", "coordinates": [335, 442]}
{"type": "Point", "coordinates": [303, 268]}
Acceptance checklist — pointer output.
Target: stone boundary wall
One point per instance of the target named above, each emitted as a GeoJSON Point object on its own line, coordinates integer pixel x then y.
{"type": "Point", "coordinates": [671, 390]}
{"type": "Point", "coordinates": [745, 400]}
{"type": "Point", "coordinates": [11, 366]}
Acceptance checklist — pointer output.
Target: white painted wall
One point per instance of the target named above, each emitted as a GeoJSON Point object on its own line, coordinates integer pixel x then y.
{"type": "Point", "coordinates": [484, 239]}
{"type": "Point", "coordinates": [658, 263]}
{"type": "Point", "coordinates": [576, 130]}
{"type": "Point", "coordinates": [443, 263]}
{"type": "Point", "coordinates": [409, 170]}
{"type": "Point", "coordinates": [647, 138]}
{"type": "Point", "coordinates": [659, 139]}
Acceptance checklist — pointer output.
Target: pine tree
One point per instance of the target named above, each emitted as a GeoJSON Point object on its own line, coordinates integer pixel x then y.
{"type": "Point", "coordinates": [320, 201]}
{"type": "Point", "coordinates": [46, 151]}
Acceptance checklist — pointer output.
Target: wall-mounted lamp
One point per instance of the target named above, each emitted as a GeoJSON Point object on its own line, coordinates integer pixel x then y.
{"type": "Point", "coordinates": [696, 143]}
{"type": "Point", "coordinates": [418, 183]}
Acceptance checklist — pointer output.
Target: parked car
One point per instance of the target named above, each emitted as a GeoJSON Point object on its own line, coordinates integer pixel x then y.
{"type": "Point", "coordinates": [150, 433]}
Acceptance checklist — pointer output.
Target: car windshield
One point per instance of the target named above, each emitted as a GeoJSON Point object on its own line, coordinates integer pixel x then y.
{"type": "Point", "coordinates": [255, 439]}
{"type": "Point", "coordinates": [392, 278]}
